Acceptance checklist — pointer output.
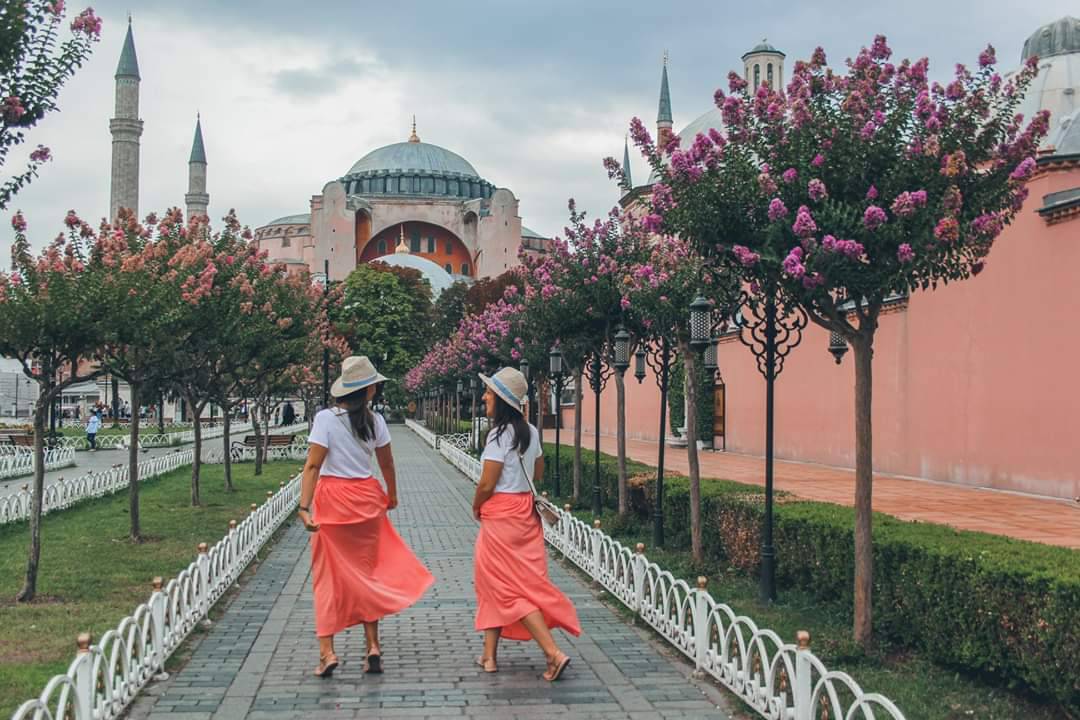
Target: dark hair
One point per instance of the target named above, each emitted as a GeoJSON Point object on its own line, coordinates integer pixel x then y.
{"type": "Point", "coordinates": [506, 415]}
{"type": "Point", "coordinates": [361, 419]}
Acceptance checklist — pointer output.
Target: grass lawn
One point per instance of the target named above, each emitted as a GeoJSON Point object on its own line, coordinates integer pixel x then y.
{"type": "Point", "coordinates": [91, 576]}
{"type": "Point", "coordinates": [920, 688]}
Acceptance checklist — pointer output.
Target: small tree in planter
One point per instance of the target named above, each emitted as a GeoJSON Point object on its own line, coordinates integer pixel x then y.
{"type": "Point", "coordinates": [53, 320]}
{"type": "Point", "coordinates": [850, 189]}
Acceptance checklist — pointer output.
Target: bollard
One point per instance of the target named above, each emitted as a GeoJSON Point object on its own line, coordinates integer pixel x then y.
{"type": "Point", "coordinates": [638, 568]}
{"type": "Point", "coordinates": [84, 679]}
{"type": "Point", "coordinates": [801, 683]}
{"type": "Point", "coordinates": [203, 563]}
{"type": "Point", "coordinates": [158, 607]}
{"type": "Point", "coordinates": [701, 618]}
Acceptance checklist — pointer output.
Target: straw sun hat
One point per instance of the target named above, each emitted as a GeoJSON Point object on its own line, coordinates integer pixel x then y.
{"type": "Point", "coordinates": [510, 385]}
{"type": "Point", "coordinates": [357, 373]}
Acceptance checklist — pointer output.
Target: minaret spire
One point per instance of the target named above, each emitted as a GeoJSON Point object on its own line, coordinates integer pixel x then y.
{"type": "Point", "coordinates": [126, 129]}
{"type": "Point", "coordinates": [197, 199]}
{"type": "Point", "coordinates": [402, 248]}
{"type": "Point", "coordinates": [627, 182]}
{"type": "Point", "coordinates": [663, 115]}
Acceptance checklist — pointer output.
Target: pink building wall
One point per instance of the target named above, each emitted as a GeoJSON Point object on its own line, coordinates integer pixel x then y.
{"type": "Point", "coordinates": [974, 383]}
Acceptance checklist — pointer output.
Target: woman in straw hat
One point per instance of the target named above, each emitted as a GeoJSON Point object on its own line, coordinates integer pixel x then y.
{"type": "Point", "coordinates": [515, 597]}
{"type": "Point", "coordinates": [362, 570]}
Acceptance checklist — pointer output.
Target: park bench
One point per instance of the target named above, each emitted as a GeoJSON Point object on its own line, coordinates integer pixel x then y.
{"type": "Point", "coordinates": [251, 441]}
{"type": "Point", "coordinates": [17, 439]}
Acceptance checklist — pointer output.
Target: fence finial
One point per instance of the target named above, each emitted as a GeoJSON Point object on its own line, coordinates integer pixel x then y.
{"type": "Point", "coordinates": [596, 524]}
{"type": "Point", "coordinates": [254, 507]}
{"type": "Point", "coordinates": [803, 638]}
{"type": "Point", "coordinates": [158, 583]}
{"type": "Point", "coordinates": [702, 581]}
{"type": "Point", "coordinates": [232, 524]}
{"type": "Point", "coordinates": [203, 547]}
{"type": "Point", "coordinates": [640, 548]}
{"type": "Point", "coordinates": [83, 641]}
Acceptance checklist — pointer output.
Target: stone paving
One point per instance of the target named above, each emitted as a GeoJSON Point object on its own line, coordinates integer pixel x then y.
{"type": "Point", "coordinates": [256, 661]}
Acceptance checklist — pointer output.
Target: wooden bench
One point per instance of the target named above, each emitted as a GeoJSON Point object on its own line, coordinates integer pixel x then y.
{"type": "Point", "coordinates": [251, 441]}
{"type": "Point", "coordinates": [19, 439]}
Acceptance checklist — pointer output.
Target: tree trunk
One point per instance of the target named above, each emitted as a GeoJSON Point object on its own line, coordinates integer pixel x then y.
{"type": "Point", "coordinates": [135, 534]}
{"type": "Point", "coordinates": [225, 430]}
{"type": "Point", "coordinates": [256, 412]}
{"type": "Point", "coordinates": [578, 396]}
{"type": "Point", "coordinates": [161, 413]}
{"type": "Point", "coordinates": [620, 440]}
{"type": "Point", "coordinates": [863, 351]}
{"type": "Point", "coordinates": [196, 464]}
{"type": "Point", "coordinates": [29, 588]}
{"type": "Point", "coordinates": [690, 380]}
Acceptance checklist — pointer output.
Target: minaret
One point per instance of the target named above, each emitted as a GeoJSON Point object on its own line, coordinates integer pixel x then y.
{"type": "Point", "coordinates": [627, 182]}
{"type": "Point", "coordinates": [197, 198]}
{"type": "Point", "coordinates": [663, 116]}
{"type": "Point", "coordinates": [126, 129]}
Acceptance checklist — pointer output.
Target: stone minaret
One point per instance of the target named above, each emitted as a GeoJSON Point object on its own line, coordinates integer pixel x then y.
{"type": "Point", "coordinates": [664, 130]}
{"type": "Point", "coordinates": [197, 198]}
{"type": "Point", "coordinates": [126, 129]}
{"type": "Point", "coordinates": [627, 182]}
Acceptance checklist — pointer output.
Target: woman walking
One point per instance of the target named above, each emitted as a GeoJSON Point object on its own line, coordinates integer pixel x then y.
{"type": "Point", "coordinates": [515, 598]}
{"type": "Point", "coordinates": [362, 570]}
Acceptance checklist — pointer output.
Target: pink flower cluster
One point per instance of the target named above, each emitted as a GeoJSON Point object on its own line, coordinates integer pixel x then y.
{"type": "Point", "coordinates": [907, 203]}
{"type": "Point", "coordinates": [87, 23]}
{"type": "Point", "coordinates": [804, 226]}
{"type": "Point", "coordinates": [41, 154]}
{"type": "Point", "coordinates": [874, 217]}
{"type": "Point", "coordinates": [747, 257]}
{"type": "Point", "coordinates": [12, 109]}
{"type": "Point", "coordinates": [848, 248]}
{"type": "Point", "coordinates": [777, 210]}
{"type": "Point", "coordinates": [816, 190]}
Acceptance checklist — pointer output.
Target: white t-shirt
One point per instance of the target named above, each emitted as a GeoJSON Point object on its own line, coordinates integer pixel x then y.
{"type": "Point", "coordinates": [502, 450]}
{"type": "Point", "coordinates": [347, 456]}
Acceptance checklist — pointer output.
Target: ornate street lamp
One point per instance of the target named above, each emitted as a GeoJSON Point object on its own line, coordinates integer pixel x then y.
{"type": "Point", "coordinates": [837, 346]}
{"type": "Point", "coordinates": [771, 330]}
{"type": "Point", "coordinates": [622, 350]}
{"type": "Point", "coordinates": [700, 323]}
{"type": "Point", "coordinates": [659, 359]}
{"type": "Point", "coordinates": [555, 368]}
{"type": "Point", "coordinates": [711, 352]}
{"type": "Point", "coordinates": [639, 364]}
{"type": "Point", "coordinates": [598, 371]}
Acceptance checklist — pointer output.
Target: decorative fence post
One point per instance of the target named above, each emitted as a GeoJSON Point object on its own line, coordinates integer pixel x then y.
{"type": "Point", "coordinates": [701, 619]}
{"type": "Point", "coordinates": [640, 563]}
{"type": "Point", "coordinates": [802, 685]}
{"type": "Point", "coordinates": [203, 565]}
{"type": "Point", "coordinates": [158, 607]}
{"type": "Point", "coordinates": [565, 529]}
{"type": "Point", "coordinates": [84, 680]}
{"type": "Point", "coordinates": [596, 551]}
{"type": "Point", "coordinates": [234, 560]}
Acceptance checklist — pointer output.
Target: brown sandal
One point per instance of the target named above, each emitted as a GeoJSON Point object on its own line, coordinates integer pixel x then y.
{"type": "Point", "coordinates": [327, 665]}
{"type": "Point", "coordinates": [373, 664]}
{"type": "Point", "coordinates": [487, 664]}
{"type": "Point", "coordinates": [555, 669]}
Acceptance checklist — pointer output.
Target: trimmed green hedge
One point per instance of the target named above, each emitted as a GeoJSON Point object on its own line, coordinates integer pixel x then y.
{"type": "Point", "coordinates": [1001, 607]}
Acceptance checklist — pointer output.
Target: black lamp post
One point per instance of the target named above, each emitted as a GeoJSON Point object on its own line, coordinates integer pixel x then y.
{"type": "Point", "coordinates": [598, 371]}
{"type": "Point", "coordinates": [771, 329]}
{"type": "Point", "coordinates": [474, 429]}
{"type": "Point", "coordinates": [555, 367]}
{"type": "Point", "coordinates": [659, 359]}
{"type": "Point", "coordinates": [457, 405]}
{"type": "Point", "coordinates": [523, 366]}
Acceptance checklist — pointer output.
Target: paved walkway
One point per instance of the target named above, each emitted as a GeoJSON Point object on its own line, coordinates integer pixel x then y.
{"type": "Point", "coordinates": [1046, 520]}
{"type": "Point", "coordinates": [256, 661]}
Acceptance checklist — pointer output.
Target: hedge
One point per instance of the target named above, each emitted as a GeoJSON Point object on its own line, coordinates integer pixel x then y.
{"type": "Point", "coordinates": [1000, 607]}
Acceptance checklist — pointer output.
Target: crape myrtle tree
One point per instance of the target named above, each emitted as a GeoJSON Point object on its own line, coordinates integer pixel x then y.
{"type": "Point", "coordinates": [34, 64]}
{"type": "Point", "coordinates": [52, 320]}
{"type": "Point", "coordinates": [848, 189]}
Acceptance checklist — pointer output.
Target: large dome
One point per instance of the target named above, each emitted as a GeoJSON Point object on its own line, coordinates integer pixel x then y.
{"type": "Point", "coordinates": [414, 156]}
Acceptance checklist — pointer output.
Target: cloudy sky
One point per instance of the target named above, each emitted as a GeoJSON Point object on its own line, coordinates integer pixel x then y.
{"type": "Point", "coordinates": [533, 94]}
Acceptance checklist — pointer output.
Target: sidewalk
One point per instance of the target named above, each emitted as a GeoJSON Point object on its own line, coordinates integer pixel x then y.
{"type": "Point", "coordinates": [1045, 520]}
{"type": "Point", "coordinates": [256, 662]}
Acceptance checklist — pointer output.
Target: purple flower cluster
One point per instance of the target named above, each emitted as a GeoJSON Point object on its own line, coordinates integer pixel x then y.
{"type": "Point", "coordinates": [871, 194]}
{"type": "Point", "coordinates": [745, 255]}
{"type": "Point", "coordinates": [41, 154]}
{"type": "Point", "coordinates": [804, 226]}
{"type": "Point", "coordinates": [818, 160]}
{"type": "Point", "coordinates": [987, 226]}
{"type": "Point", "coordinates": [816, 189]}
{"type": "Point", "coordinates": [777, 210]}
{"type": "Point", "coordinates": [1024, 170]}
{"type": "Point", "coordinates": [848, 248]}
{"type": "Point", "coordinates": [947, 230]}
{"type": "Point", "coordinates": [907, 203]}
{"type": "Point", "coordinates": [793, 263]}
{"type": "Point", "coordinates": [905, 254]}
{"type": "Point", "coordinates": [18, 222]}
{"type": "Point", "coordinates": [874, 217]}
{"type": "Point", "coordinates": [662, 198]}
{"type": "Point", "coordinates": [790, 175]}
{"type": "Point", "coordinates": [767, 184]}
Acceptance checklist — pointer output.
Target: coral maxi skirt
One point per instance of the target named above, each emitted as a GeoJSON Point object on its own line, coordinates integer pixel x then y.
{"type": "Point", "coordinates": [511, 573]}
{"type": "Point", "coordinates": [361, 568]}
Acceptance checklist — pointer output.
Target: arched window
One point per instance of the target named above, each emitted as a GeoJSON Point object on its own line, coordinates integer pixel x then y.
{"type": "Point", "coordinates": [382, 246]}
{"type": "Point", "coordinates": [431, 244]}
{"type": "Point", "coordinates": [757, 76]}
{"type": "Point", "coordinates": [449, 246]}
{"type": "Point", "coordinates": [768, 75]}
{"type": "Point", "coordinates": [286, 241]}
{"type": "Point", "coordinates": [449, 268]}
{"type": "Point", "coordinates": [414, 242]}
{"type": "Point", "coordinates": [464, 268]}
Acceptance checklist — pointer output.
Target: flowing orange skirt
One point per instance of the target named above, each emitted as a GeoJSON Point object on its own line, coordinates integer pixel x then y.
{"type": "Point", "coordinates": [511, 573]}
{"type": "Point", "coordinates": [361, 568]}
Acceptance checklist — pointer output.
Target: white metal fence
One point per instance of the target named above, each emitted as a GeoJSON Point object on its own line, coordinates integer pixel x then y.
{"type": "Point", "coordinates": [105, 677]}
{"type": "Point", "coordinates": [779, 680]}
{"type": "Point", "coordinates": [16, 461]}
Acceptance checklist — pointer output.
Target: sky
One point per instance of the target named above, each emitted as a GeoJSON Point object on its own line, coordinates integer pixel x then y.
{"type": "Point", "coordinates": [534, 94]}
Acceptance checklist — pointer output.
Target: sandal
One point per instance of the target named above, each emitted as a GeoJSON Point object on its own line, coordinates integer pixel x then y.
{"type": "Point", "coordinates": [488, 664]}
{"type": "Point", "coordinates": [555, 669]}
{"type": "Point", "coordinates": [373, 664]}
{"type": "Point", "coordinates": [327, 665]}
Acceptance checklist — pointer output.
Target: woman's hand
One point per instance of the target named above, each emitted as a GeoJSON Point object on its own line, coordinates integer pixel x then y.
{"type": "Point", "coordinates": [309, 524]}
{"type": "Point", "coordinates": [391, 501]}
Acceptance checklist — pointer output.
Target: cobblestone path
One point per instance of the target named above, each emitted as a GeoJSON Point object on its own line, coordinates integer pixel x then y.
{"type": "Point", "coordinates": [255, 662]}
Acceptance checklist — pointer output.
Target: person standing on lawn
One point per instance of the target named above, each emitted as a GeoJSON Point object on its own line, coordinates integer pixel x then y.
{"type": "Point", "coordinates": [92, 427]}
{"type": "Point", "coordinates": [515, 598]}
{"type": "Point", "coordinates": [361, 569]}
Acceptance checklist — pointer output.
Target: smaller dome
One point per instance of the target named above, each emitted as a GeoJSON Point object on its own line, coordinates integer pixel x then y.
{"type": "Point", "coordinates": [301, 219]}
{"type": "Point", "coordinates": [1057, 38]}
{"type": "Point", "coordinates": [762, 47]}
{"type": "Point", "coordinates": [436, 276]}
